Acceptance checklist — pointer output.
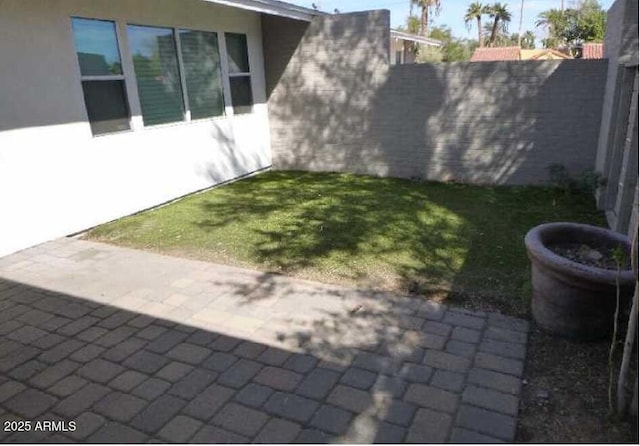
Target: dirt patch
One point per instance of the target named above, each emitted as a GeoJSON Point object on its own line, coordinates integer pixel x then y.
{"type": "Point", "coordinates": [565, 397]}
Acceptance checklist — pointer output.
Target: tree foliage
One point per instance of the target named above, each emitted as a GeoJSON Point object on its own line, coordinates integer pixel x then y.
{"type": "Point", "coordinates": [427, 7]}
{"type": "Point", "coordinates": [453, 49]}
{"type": "Point", "coordinates": [571, 27]}
{"type": "Point", "coordinates": [495, 32]}
{"type": "Point", "coordinates": [475, 11]}
{"type": "Point", "coordinates": [501, 18]}
{"type": "Point", "coordinates": [528, 41]}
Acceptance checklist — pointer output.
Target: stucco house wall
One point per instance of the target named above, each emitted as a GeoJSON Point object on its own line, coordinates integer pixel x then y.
{"type": "Point", "coordinates": [56, 178]}
{"type": "Point", "coordinates": [400, 53]}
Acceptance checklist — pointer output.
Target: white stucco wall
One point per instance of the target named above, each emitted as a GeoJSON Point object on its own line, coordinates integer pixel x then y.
{"type": "Point", "coordinates": [55, 177]}
{"type": "Point", "coordinates": [395, 46]}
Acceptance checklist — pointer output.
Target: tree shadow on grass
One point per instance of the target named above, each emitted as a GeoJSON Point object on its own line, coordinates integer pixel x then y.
{"type": "Point", "coordinates": [381, 232]}
{"type": "Point", "coordinates": [495, 273]}
{"type": "Point", "coordinates": [444, 241]}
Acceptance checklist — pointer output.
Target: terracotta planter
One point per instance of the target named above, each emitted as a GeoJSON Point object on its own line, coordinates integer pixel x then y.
{"type": "Point", "coordinates": [571, 299]}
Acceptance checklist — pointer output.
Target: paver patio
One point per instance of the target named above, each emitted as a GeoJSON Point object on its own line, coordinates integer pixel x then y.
{"type": "Point", "coordinates": [137, 347]}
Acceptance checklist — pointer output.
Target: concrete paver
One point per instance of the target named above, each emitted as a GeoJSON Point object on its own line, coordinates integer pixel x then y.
{"type": "Point", "coordinates": [136, 347]}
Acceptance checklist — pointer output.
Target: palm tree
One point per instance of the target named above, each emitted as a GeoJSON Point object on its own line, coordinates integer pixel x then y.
{"type": "Point", "coordinates": [501, 17]}
{"type": "Point", "coordinates": [501, 37]}
{"type": "Point", "coordinates": [520, 25]}
{"type": "Point", "coordinates": [528, 40]}
{"type": "Point", "coordinates": [426, 6]}
{"type": "Point", "coordinates": [554, 21]}
{"type": "Point", "coordinates": [475, 11]}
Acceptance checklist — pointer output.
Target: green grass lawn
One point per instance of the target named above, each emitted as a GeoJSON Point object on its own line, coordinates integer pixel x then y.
{"type": "Point", "coordinates": [459, 243]}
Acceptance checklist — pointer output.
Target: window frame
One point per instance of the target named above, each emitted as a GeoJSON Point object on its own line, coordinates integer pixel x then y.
{"type": "Point", "coordinates": [183, 76]}
{"type": "Point", "coordinates": [132, 101]}
{"type": "Point", "coordinates": [130, 54]}
{"type": "Point", "coordinates": [245, 74]}
{"type": "Point", "coordinates": [105, 77]}
{"type": "Point", "coordinates": [226, 98]}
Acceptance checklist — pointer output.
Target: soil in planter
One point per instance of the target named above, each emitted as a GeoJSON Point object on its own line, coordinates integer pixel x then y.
{"type": "Point", "coordinates": [599, 257]}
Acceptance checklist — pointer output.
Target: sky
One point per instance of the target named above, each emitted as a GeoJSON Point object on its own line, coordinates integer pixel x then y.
{"type": "Point", "coordinates": [452, 12]}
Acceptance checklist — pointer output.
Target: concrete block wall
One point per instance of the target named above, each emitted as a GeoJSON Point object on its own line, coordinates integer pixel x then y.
{"type": "Point", "coordinates": [318, 111]}
{"type": "Point", "coordinates": [339, 106]}
{"type": "Point", "coordinates": [491, 123]}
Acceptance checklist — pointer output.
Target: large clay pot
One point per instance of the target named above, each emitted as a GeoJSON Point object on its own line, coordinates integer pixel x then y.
{"type": "Point", "coordinates": [571, 299]}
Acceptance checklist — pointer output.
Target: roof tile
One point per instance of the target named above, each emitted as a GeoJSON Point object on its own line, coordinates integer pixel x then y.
{"type": "Point", "coordinates": [489, 54]}
{"type": "Point", "coordinates": [592, 51]}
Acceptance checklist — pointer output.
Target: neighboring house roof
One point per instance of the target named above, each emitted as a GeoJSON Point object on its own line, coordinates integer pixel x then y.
{"type": "Point", "coordinates": [543, 54]}
{"type": "Point", "coordinates": [516, 53]}
{"type": "Point", "coordinates": [415, 38]}
{"type": "Point", "coordinates": [592, 51]}
{"type": "Point", "coordinates": [489, 54]}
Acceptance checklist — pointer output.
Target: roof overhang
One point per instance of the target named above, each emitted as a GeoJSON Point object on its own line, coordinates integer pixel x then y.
{"type": "Point", "coordinates": [283, 9]}
{"type": "Point", "coordinates": [273, 7]}
{"type": "Point", "coordinates": [414, 38]}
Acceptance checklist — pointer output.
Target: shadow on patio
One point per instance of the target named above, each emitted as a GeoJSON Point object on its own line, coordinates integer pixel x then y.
{"type": "Point", "coordinates": [185, 351]}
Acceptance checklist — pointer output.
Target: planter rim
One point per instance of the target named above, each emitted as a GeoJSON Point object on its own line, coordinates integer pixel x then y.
{"type": "Point", "coordinates": [538, 251]}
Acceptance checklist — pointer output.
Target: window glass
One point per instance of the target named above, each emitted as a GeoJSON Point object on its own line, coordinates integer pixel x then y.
{"type": "Point", "coordinates": [156, 66]}
{"type": "Point", "coordinates": [106, 105]}
{"type": "Point", "coordinates": [237, 51]}
{"type": "Point", "coordinates": [97, 47]}
{"type": "Point", "coordinates": [239, 75]}
{"type": "Point", "coordinates": [105, 98]}
{"type": "Point", "coordinates": [201, 63]}
{"type": "Point", "coordinates": [241, 96]}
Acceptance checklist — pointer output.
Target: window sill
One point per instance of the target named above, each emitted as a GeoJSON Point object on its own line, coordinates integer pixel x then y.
{"type": "Point", "coordinates": [119, 132]}
{"type": "Point", "coordinates": [176, 124]}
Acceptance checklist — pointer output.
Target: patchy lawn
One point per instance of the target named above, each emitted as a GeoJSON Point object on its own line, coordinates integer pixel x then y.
{"type": "Point", "coordinates": [459, 243]}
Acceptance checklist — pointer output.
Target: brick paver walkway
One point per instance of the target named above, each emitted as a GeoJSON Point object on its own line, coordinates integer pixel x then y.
{"type": "Point", "coordinates": [136, 347]}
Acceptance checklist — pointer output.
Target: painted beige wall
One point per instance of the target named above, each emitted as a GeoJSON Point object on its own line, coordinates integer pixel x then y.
{"type": "Point", "coordinates": [55, 177]}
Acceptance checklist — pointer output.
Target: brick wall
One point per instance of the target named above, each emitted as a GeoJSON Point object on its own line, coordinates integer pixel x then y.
{"type": "Point", "coordinates": [339, 106]}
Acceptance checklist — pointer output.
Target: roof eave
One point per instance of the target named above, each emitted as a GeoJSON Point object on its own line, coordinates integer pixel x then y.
{"type": "Point", "coordinates": [273, 7]}
{"type": "Point", "coordinates": [413, 38]}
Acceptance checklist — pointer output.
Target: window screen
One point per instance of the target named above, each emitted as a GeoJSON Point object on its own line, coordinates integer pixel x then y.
{"type": "Point", "coordinates": [201, 63]}
{"type": "Point", "coordinates": [237, 51]}
{"type": "Point", "coordinates": [157, 75]}
{"type": "Point", "coordinates": [241, 94]}
{"type": "Point", "coordinates": [106, 106]}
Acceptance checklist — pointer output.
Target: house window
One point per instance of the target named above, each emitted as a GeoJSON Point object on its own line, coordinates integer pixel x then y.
{"type": "Point", "coordinates": [103, 86]}
{"type": "Point", "coordinates": [155, 62]}
{"type": "Point", "coordinates": [239, 73]}
{"type": "Point", "coordinates": [201, 67]}
{"type": "Point", "coordinates": [178, 74]}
